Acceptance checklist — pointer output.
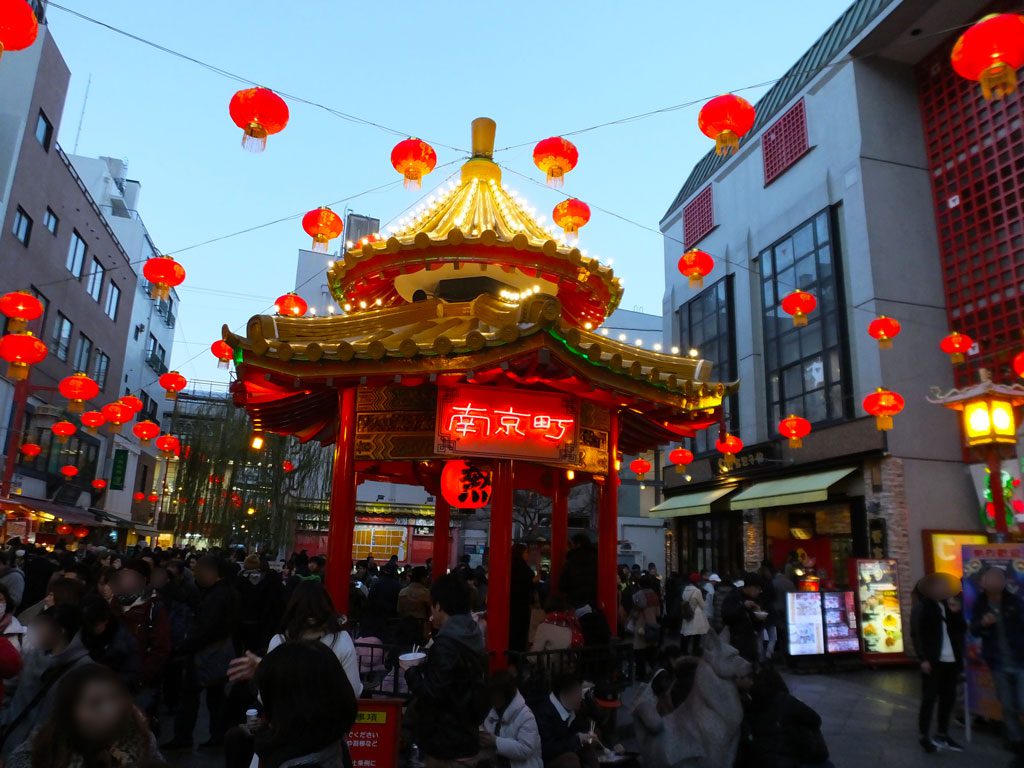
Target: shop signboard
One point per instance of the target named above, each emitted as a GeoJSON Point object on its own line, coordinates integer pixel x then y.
{"type": "Point", "coordinates": [944, 549]}
{"type": "Point", "coordinates": [118, 468]}
{"type": "Point", "coordinates": [878, 603]}
{"type": "Point", "coordinates": [804, 623]}
{"type": "Point", "coordinates": [981, 694]}
{"type": "Point", "coordinates": [507, 423]}
{"type": "Point", "coordinates": [374, 739]}
{"type": "Point", "coordinates": [841, 623]}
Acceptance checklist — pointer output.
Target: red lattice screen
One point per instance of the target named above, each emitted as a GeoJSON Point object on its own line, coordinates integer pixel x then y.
{"type": "Point", "coordinates": [976, 162]}
{"type": "Point", "coordinates": [698, 217]}
{"type": "Point", "coordinates": [784, 142]}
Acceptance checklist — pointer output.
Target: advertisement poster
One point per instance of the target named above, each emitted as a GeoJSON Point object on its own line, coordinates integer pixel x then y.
{"type": "Point", "coordinates": [981, 695]}
{"type": "Point", "coordinates": [806, 630]}
{"type": "Point", "coordinates": [944, 549]}
{"type": "Point", "coordinates": [878, 596]}
{"type": "Point", "coordinates": [374, 739]}
{"type": "Point", "coordinates": [841, 623]}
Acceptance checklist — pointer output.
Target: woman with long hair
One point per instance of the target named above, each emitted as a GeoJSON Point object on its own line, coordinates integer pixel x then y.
{"type": "Point", "coordinates": [308, 707]}
{"type": "Point", "coordinates": [93, 723]}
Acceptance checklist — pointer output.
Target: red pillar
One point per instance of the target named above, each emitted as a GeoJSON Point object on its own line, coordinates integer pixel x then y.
{"type": "Point", "coordinates": [14, 437]}
{"type": "Point", "coordinates": [559, 528]}
{"type": "Point", "coordinates": [499, 571]}
{"type": "Point", "coordinates": [608, 533]}
{"type": "Point", "coordinates": [442, 522]}
{"type": "Point", "coordinates": [343, 502]}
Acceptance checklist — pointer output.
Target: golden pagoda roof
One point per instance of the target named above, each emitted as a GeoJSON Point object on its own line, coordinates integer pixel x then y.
{"type": "Point", "coordinates": [476, 227]}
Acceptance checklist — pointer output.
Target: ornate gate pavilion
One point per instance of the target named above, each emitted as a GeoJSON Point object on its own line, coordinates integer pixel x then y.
{"type": "Point", "coordinates": [470, 334]}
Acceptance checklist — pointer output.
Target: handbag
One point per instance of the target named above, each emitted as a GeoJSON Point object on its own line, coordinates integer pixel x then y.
{"type": "Point", "coordinates": [211, 663]}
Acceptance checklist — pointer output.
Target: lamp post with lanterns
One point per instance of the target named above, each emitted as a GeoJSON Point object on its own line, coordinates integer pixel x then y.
{"type": "Point", "coordinates": [990, 429]}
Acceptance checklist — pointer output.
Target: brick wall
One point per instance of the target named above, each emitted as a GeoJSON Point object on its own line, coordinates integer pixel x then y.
{"type": "Point", "coordinates": [753, 539]}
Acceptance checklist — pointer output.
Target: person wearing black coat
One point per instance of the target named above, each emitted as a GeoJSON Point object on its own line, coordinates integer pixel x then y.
{"type": "Point", "coordinates": [784, 732]}
{"type": "Point", "coordinates": [738, 617]}
{"type": "Point", "coordinates": [520, 600]}
{"type": "Point", "coordinates": [937, 628]}
{"type": "Point", "coordinates": [565, 739]}
{"type": "Point", "coordinates": [578, 581]}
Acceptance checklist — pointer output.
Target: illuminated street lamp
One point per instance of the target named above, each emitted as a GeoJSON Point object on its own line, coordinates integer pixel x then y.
{"type": "Point", "coordinates": [989, 427]}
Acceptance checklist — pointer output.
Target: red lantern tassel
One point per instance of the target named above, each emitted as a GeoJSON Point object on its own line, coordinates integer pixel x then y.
{"type": "Point", "coordinates": [998, 81]}
{"type": "Point", "coordinates": [319, 244]}
{"type": "Point", "coordinates": [727, 143]}
{"type": "Point", "coordinates": [17, 371]}
{"type": "Point", "coordinates": [555, 177]}
{"type": "Point", "coordinates": [254, 139]}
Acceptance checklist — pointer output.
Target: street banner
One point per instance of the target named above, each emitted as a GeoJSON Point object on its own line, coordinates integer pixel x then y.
{"type": "Point", "coordinates": [981, 693]}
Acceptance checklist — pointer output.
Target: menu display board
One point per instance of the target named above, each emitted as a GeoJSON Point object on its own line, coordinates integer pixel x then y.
{"type": "Point", "coordinates": [841, 623]}
{"type": "Point", "coordinates": [806, 629]}
{"type": "Point", "coordinates": [878, 597]}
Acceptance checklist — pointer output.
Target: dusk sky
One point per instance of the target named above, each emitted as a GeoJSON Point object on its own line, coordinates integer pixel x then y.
{"type": "Point", "coordinates": [425, 69]}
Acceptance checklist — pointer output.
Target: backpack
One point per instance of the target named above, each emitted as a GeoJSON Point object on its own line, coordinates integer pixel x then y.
{"type": "Point", "coordinates": [686, 610]}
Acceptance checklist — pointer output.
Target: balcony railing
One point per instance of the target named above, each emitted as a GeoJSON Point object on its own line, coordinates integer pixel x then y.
{"type": "Point", "coordinates": [156, 363]}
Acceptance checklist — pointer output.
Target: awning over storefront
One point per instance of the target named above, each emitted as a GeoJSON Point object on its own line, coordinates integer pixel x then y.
{"type": "Point", "coordinates": [802, 489]}
{"type": "Point", "coordinates": [690, 504]}
{"type": "Point", "coordinates": [144, 530]}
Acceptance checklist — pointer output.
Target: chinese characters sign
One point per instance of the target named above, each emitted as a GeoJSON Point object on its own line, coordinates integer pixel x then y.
{"type": "Point", "coordinates": [500, 422]}
{"type": "Point", "coordinates": [373, 740]}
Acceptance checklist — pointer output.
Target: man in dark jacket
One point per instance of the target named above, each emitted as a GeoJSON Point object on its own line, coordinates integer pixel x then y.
{"type": "Point", "coordinates": [520, 600]}
{"type": "Point", "coordinates": [998, 619]}
{"type": "Point", "coordinates": [578, 581]}
{"type": "Point", "coordinates": [937, 627]}
{"type": "Point", "coordinates": [447, 687]}
{"type": "Point", "coordinates": [739, 609]}
{"type": "Point", "coordinates": [209, 649]}
{"type": "Point", "coordinates": [565, 740]}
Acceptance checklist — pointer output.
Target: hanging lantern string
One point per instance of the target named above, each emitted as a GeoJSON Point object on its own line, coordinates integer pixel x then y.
{"type": "Point", "coordinates": [242, 79]}
{"type": "Point", "coordinates": [941, 330]}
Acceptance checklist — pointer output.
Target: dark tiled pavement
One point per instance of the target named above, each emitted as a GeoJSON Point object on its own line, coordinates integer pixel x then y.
{"type": "Point", "coordinates": [870, 721]}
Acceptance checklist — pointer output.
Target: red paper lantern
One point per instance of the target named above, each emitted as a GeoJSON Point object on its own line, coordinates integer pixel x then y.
{"type": "Point", "coordinates": [64, 529]}
{"type": "Point", "coordinates": [555, 157]}
{"type": "Point", "coordinates": [570, 215]}
{"type": "Point", "coordinates": [728, 445]}
{"type": "Point", "coordinates": [956, 345]}
{"type": "Point", "coordinates": [116, 414]}
{"type": "Point", "coordinates": [291, 305]}
{"type": "Point", "coordinates": [259, 112]}
{"type": "Point", "coordinates": [78, 388]}
{"type": "Point", "coordinates": [414, 159]}
{"type": "Point", "coordinates": [799, 304]}
{"type": "Point", "coordinates": [69, 471]}
{"type": "Point", "coordinates": [18, 25]}
{"type": "Point", "coordinates": [21, 350]}
{"type": "Point", "coordinates": [138, 496]}
{"type": "Point", "coordinates": [223, 352]}
{"type": "Point", "coordinates": [173, 382]}
{"type": "Point", "coordinates": [884, 330]}
{"type": "Point", "coordinates": [153, 498]}
{"type": "Point", "coordinates": [163, 273]}
{"type": "Point", "coordinates": [62, 430]}
{"type": "Point", "coordinates": [323, 225]}
{"type": "Point", "coordinates": [19, 306]}
{"type": "Point", "coordinates": [81, 532]}
{"type": "Point", "coordinates": [640, 467]}
{"type": "Point", "coordinates": [134, 403]}
{"type": "Point", "coordinates": [883, 404]}
{"type": "Point", "coordinates": [680, 457]}
{"type": "Point", "coordinates": [99, 484]}
{"type": "Point", "coordinates": [146, 431]}
{"type": "Point", "coordinates": [168, 445]}
{"type": "Point", "coordinates": [696, 264]}
{"type": "Point", "coordinates": [91, 420]}
{"type": "Point", "coordinates": [30, 450]}
{"type": "Point", "coordinates": [287, 465]}
{"type": "Point", "coordinates": [726, 119]}
{"type": "Point", "coordinates": [465, 485]}
{"type": "Point", "coordinates": [990, 52]}
{"type": "Point", "coordinates": [795, 429]}
{"type": "Point", "coordinates": [1018, 364]}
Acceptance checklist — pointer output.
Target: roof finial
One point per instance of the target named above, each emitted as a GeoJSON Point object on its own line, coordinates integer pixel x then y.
{"type": "Point", "coordinates": [483, 137]}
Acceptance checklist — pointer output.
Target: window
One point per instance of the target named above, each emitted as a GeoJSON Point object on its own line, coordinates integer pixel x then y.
{"type": "Point", "coordinates": [44, 131]}
{"type": "Point", "coordinates": [22, 225]}
{"type": "Point", "coordinates": [50, 221]}
{"type": "Point", "coordinates": [100, 368]}
{"type": "Point", "coordinates": [805, 368]}
{"type": "Point", "coordinates": [113, 299]}
{"type": "Point", "coordinates": [698, 217]}
{"type": "Point", "coordinates": [706, 324]}
{"type": "Point", "coordinates": [83, 353]}
{"type": "Point", "coordinates": [76, 254]}
{"type": "Point", "coordinates": [784, 142]}
{"type": "Point", "coordinates": [155, 355]}
{"type": "Point", "coordinates": [62, 336]}
{"type": "Point", "coordinates": [95, 284]}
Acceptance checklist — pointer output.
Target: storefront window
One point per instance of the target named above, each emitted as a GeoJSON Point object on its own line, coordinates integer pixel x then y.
{"type": "Point", "coordinates": [805, 368]}
{"type": "Point", "coordinates": [706, 325]}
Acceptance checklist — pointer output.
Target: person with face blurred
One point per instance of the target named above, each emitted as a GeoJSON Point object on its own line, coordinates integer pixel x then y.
{"type": "Point", "coordinates": [93, 723]}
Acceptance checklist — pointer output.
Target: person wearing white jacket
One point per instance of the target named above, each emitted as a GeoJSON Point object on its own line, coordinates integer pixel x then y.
{"type": "Point", "coordinates": [695, 620]}
{"type": "Point", "coordinates": [510, 730]}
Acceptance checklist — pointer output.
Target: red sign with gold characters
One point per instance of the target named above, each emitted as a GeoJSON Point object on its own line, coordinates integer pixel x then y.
{"type": "Point", "coordinates": [507, 423]}
{"type": "Point", "coordinates": [374, 739]}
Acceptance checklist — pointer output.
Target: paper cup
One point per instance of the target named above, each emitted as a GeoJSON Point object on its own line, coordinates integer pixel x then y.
{"type": "Point", "coordinates": [407, 660]}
